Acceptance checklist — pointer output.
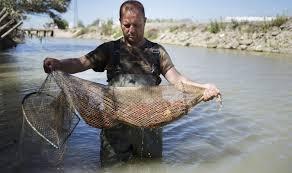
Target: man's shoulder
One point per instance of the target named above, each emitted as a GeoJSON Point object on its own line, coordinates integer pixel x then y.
{"type": "Point", "coordinates": [118, 41]}
{"type": "Point", "coordinates": [110, 45]}
{"type": "Point", "coordinates": [156, 46]}
{"type": "Point", "coordinates": [152, 44]}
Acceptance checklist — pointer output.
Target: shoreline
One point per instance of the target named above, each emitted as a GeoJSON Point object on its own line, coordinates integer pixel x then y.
{"type": "Point", "coordinates": [245, 36]}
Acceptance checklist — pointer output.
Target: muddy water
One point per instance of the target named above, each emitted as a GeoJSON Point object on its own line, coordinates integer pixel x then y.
{"type": "Point", "coordinates": [251, 133]}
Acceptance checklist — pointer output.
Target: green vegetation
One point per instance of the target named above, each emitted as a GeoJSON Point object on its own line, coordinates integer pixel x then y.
{"type": "Point", "coordinates": [107, 27]}
{"type": "Point", "coordinates": [234, 24]}
{"type": "Point", "coordinates": [160, 20]}
{"type": "Point", "coordinates": [279, 20]}
{"type": "Point", "coordinates": [61, 23]}
{"type": "Point", "coordinates": [152, 34]}
{"type": "Point", "coordinates": [245, 26]}
{"type": "Point", "coordinates": [173, 29]}
{"type": "Point", "coordinates": [193, 28]}
{"type": "Point", "coordinates": [19, 9]}
{"type": "Point", "coordinates": [182, 27]}
{"type": "Point", "coordinates": [214, 27]}
{"type": "Point", "coordinates": [265, 26]}
{"type": "Point", "coordinates": [249, 28]}
{"type": "Point", "coordinates": [49, 7]}
{"type": "Point", "coordinates": [117, 32]}
{"type": "Point", "coordinates": [82, 31]}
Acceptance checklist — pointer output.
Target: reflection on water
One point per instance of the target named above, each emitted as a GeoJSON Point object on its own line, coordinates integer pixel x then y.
{"type": "Point", "coordinates": [252, 132]}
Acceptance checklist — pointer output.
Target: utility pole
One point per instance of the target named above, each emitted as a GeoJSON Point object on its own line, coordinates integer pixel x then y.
{"type": "Point", "coordinates": [75, 14]}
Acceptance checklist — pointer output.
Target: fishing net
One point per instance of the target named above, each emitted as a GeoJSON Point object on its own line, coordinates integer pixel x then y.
{"type": "Point", "coordinates": [53, 112]}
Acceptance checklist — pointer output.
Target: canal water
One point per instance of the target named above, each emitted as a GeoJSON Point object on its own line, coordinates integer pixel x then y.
{"type": "Point", "coordinates": [251, 133]}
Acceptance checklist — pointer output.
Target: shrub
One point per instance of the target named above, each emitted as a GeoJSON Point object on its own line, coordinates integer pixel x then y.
{"type": "Point", "coordinates": [265, 26]}
{"type": "Point", "coordinates": [117, 32]}
{"type": "Point", "coordinates": [61, 23]}
{"type": "Point", "coordinates": [214, 27]}
{"type": "Point", "coordinates": [250, 28]}
{"type": "Point", "coordinates": [173, 29]}
{"type": "Point", "coordinates": [151, 34]}
{"type": "Point", "coordinates": [82, 31]}
{"type": "Point", "coordinates": [107, 27]}
{"type": "Point", "coordinates": [193, 28]}
{"type": "Point", "coordinates": [278, 21]}
{"type": "Point", "coordinates": [234, 24]}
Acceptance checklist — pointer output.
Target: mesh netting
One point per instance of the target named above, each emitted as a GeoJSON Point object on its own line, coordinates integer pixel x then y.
{"type": "Point", "coordinates": [52, 111]}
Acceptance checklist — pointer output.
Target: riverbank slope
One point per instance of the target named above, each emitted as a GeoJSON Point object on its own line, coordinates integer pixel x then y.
{"type": "Point", "coordinates": [268, 36]}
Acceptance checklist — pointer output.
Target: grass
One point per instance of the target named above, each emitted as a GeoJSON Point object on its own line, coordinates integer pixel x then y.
{"type": "Point", "coordinates": [82, 31]}
{"type": "Point", "coordinates": [107, 28]}
{"type": "Point", "coordinates": [152, 34]}
{"type": "Point", "coordinates": [234, 24]}
{"type": "Point", "coordinates": [264, 26]}
{"type": "Point", "coordinates": [117, 32]}
{"type": "Point", "coordinates": [214, 27]}
{"type": "Point", "coordinates": [279, 20]}
{"type": "Point", "coordinates": [174, 29]}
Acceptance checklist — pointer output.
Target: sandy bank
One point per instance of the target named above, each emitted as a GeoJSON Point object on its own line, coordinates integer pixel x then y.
{"type": "Point", "coordinates": [261, 37]}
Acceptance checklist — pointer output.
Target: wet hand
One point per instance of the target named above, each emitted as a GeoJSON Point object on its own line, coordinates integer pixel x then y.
{"type": "Point", "coordinates": [211, 91]}
{"type": "Point", "coordinates": [51, 64]}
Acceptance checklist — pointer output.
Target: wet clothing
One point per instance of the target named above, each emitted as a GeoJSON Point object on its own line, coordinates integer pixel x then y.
{"type": "Point", "coordinates": [130, 66]}
{"type": "Point", "coordinates": [117, 58]}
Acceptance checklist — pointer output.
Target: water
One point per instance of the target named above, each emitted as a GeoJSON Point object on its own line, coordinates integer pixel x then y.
{"type": "Point", "coordinates": [251, 133]}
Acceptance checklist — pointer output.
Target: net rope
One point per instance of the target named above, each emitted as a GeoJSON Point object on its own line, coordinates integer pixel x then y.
{"type": "Point", "coordinates": [53, 112]}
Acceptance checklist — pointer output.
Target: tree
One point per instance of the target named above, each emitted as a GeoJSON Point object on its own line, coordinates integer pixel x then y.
{"type": "Point", "coordinates": [52, 8]}
{"type": "Point", "coordinates": [61, 23]}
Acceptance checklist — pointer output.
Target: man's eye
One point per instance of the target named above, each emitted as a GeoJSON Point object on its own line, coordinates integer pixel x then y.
{"type": "Point", "coordinates": [127, 26]}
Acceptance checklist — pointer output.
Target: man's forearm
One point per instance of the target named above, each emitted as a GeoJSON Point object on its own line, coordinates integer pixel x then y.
{"type": "Point", "coordinates": [74, 65]}
{"type": "Point", "coordinates": [175, 78]}
{"type": "Point", "coordinates": [184, 84]}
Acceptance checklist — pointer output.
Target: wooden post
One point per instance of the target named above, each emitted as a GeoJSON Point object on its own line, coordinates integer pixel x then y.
{"type": "Point", "coordinates": [10, 30]}
{"type": "Point", "coordinates": [3, 17]}
{"type": "Point", "coordinates": [5, 25]}
{"type": "Point", "coordinates": [39, 32]}
{"type": "Point", "coordinates": [2, 11]}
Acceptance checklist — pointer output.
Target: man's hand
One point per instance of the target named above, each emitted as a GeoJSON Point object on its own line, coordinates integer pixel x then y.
{"type": "Point", "coordinates": [211, 91]}
{"type": "Point", "coordinates": [51, 64]}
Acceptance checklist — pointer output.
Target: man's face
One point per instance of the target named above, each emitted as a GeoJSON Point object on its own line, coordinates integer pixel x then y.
{"type": "Point", "coordinates": [132, 24]}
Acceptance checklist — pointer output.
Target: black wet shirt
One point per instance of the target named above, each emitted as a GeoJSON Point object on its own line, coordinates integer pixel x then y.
{"type": "Point", "coordinates": [150, 58]}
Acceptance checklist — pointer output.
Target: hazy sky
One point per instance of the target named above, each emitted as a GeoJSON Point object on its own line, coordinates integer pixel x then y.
{"type": "Point", "coordinates": [202, 10]}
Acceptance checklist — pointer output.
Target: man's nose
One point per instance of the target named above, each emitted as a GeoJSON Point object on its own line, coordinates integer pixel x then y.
{"type": "Point", "coordinates": [132, 29]}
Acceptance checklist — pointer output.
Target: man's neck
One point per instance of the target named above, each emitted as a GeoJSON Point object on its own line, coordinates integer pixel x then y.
{"type": "Point", "coordinates": [138, 44]}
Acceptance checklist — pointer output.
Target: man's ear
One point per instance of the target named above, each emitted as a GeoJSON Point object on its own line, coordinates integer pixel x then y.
{"type": "Point", "coordinates": [145, 19]}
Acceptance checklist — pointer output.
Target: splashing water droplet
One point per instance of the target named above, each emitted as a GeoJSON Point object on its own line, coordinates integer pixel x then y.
{"type": "Point", "coordinates": [219, 101]}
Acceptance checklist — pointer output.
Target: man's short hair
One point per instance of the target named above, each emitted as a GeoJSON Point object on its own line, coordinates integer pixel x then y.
{"type": "Point", "coordinates": [130, 5]}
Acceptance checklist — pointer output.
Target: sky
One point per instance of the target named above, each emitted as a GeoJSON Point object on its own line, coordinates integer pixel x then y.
{"type": "Point", "coordinates": [200, 10]}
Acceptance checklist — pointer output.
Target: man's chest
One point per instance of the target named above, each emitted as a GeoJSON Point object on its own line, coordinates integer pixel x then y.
{"type": "Point", "coordinates": [137, 60]}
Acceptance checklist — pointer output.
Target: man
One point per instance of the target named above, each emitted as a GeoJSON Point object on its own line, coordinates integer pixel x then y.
{"type": "Point", "coordinates": [129, 61]}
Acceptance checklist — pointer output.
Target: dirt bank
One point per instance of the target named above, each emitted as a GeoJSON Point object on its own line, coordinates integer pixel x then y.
{"type": "Point", "coordinates": [251, 36]}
